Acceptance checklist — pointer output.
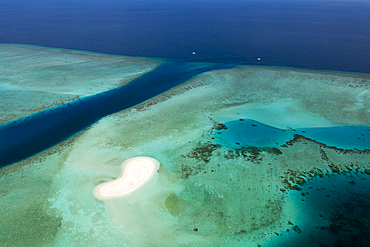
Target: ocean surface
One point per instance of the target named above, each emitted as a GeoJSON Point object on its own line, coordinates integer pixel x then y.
{"type": "Point", "coordinates": [323, 35]}
{"type": "Point", "coordinates": [314, 34]}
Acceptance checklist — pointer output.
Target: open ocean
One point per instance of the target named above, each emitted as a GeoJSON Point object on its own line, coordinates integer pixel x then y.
{"type": "Point", "coordinates": [313, 34]}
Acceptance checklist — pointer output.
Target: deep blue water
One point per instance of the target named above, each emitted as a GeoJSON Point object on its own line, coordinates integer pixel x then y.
{"type": "Point", "coordinates": [250, 133]}
{"type": "Point", "coordinates": [333, 212]}
{"type": "Point", "coordinates": [316, 34]}
{"type": "Point", "coordinates": [25, 137]}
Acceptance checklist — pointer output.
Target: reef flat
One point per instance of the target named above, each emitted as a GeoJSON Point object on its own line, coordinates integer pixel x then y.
{"type": "Point", "coordinates": [28, 136]}
{"type": "Point", "coordinates": [206, 194]}
{"type": "Point", "coordinates": [34, 78]}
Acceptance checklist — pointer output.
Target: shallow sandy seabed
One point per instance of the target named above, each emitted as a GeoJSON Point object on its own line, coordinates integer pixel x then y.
{"type": "Point", "coordinates": [34, 78]}
{"type": "Point", "coordinates": [205, 194]}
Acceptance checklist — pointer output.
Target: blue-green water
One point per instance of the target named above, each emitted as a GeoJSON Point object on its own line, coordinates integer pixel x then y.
{"type": "Point", "coordinates": [326, 35]}
{"type": "Point", "coordinates": [25, 137]}
{"type": "Point", "coordinates": [250, 133]}
{"type": "Point", "coordinates": [333, 211]}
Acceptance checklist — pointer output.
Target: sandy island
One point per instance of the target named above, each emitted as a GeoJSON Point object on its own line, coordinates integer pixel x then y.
{"type": "Point", "coordinates": [135, 173]}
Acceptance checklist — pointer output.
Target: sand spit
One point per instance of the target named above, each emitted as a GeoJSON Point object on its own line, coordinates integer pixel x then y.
{"type": "Point", "coordinates": [136, 172]}
{"type": "Point", "coordinates": [205, 194]}
{"type": "Point", "coordinates": [35, 78]}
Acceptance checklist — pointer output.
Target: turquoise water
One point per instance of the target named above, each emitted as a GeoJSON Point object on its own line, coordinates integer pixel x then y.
{"type": "Point", "coordinates": [333, 211]}
{"type": "Point", "coordinates": [250, 133]}
{"type": "Point", "coordinates": [28, 136]}
{"type": "Point", "coordinates": [325, 35]}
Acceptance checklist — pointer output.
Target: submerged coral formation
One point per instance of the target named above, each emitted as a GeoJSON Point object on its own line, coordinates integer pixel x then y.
{"type": "Point", "coordinates": [34, 78]}
{"type": "Point", "coordinates": [206, 194]}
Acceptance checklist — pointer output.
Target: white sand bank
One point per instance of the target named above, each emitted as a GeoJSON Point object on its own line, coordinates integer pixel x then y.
{"type": "Point", "coordinates": [206, 194]}
{"type": "Point", "coordinates": [136, 172]}
{"type": "Point", "coordinates": [34, 78]}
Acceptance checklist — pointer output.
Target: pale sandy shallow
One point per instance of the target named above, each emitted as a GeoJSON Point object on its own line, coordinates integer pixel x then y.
{"type": "Point", "coordinates": [205, 194]}
{"type": "Point", "coordinates": [136, 172]}
{"type": "Point", "coordinates": [34, 78]}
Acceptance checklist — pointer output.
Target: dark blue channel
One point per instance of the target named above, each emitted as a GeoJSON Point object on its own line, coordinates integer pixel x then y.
{"type": "Point", "coordinates": [25, 137]}
{"type": "Point", "coordinates": [250, 133]}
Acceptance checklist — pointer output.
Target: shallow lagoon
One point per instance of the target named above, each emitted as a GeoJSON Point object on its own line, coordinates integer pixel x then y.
{"type": "Point", "coordinates": [250, 133]}
{"type": "Point", "coordinates": [206, 194]}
